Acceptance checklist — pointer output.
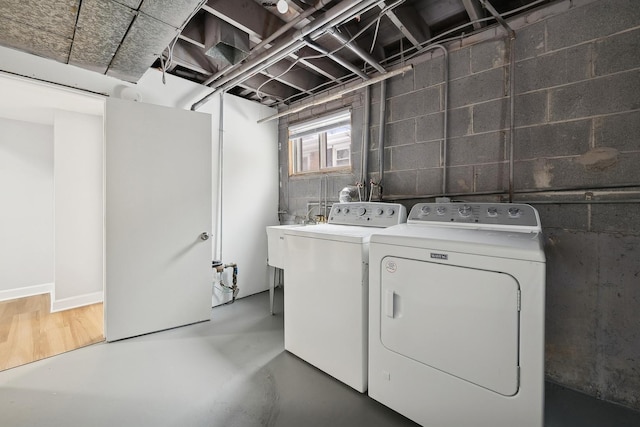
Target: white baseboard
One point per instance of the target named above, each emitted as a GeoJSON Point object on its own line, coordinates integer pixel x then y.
{"type": "Point", "coordinates": [78, 301]}
{"type": "Point", "coordinates": [49, 288]}
{"type": "Point", "coordinates": [27, 291]}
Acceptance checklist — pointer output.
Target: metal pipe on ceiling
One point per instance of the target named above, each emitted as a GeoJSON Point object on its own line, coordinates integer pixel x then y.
{"type": "Point", "coordinates": [339, 19]}
{"type": "Point", "coordinates": [349, 66]}
{"type": "Point", "coordinates": [289, 25]}
{"type": "Point", "coordinates": [252, 71]}
{"type": "Point", "coordinates": [280, 31]}
{"type": "Point", "coordinates": [355, 49]}
{"type": "Point", "coordinates": [336, 11]}
{"type": "Point", "coordinates": [339, 94]}
{"type": "Point", "coordinates": [339, 13]}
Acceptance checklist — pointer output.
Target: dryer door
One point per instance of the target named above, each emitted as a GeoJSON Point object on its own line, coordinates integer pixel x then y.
{"type": "Point", "coordinates": [461, 321]}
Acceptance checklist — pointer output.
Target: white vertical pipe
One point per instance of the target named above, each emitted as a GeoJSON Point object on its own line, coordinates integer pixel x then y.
{"type": "Point", "coordinates": [512, 115]}
{"type": "Point", "coordinates": [218, 250]}
{"type": "Point", "coordinates": [365, 139]}
{"type": "Point", "coordinates": [383, 110]}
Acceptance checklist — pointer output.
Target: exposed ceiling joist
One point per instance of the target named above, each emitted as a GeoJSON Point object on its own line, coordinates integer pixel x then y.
{"type": "Point", "coordinates": [296, 77]}
{"type": "Point", "coordinates": [324, 66]}
{"type": "Point", "coordinates": [413, 22]}
{"type": "Point", "coordinates": [399, 25]}
{"type": "Point", "coordinates": [247, 15]}
{"type": "Point", "coordinates": [475, 12]}
{"type": "Point", "coordinates": [259, 23]}
{"type": "Point", "coordinates": [268, 87]}
{"type": "Point", "coordinates": [123, 38]}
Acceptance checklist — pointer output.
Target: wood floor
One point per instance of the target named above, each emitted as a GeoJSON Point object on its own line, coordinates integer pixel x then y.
{"type": "Point", "coordinates": [29, 332]}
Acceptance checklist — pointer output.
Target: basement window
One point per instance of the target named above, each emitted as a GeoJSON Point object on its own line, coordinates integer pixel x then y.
{"type": "Point", "coordinates": [321, 145]}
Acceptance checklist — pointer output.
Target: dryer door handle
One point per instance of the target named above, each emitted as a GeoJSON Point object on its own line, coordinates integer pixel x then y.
{"type": "Point", "coordinates": [388, 303]}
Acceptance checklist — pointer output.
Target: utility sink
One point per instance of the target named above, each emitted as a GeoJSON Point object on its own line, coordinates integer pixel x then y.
{"type": "Point", "coordinates": [276, 245]}
{"type": "Point", "coordinates": [276, 254]}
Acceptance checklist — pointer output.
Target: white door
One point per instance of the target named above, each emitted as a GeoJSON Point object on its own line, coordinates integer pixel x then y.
{"type": "Point", "coordinates": [158, 202]}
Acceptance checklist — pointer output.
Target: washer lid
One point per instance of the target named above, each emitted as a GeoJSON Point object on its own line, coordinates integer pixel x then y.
{"type": "Point", "coordinates": [334, 232]}
{"type": "Point", "coordinates": [495, 243]}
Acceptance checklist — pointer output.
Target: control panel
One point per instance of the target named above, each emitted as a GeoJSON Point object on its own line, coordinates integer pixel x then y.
{"type": "Point", "coordinates": [370, 214]}
{"type": "Point", "coordinates": [492, 214]}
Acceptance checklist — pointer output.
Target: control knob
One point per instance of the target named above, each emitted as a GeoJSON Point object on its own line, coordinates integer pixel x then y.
{"type": "Point", "coordinates": [391, 211]}
{"type": "Point", "coordinates": [345, 210]}
{"type": "Point", "coordinates": [465, 210]}
{"type": "Point", "coordinates": [514, 212]}
{"type": "Point", "coordinates": [361, 211]}
{"type": "Point", "coordinates": [492, 211]}
{"type": "Point", "coordinates": [425, 210]}
{"type": "Point", "coordinates": [337, 211]}
{"type": "Point", "coordinates": [441, 210]}
{"type": "Point", "coordinates": [379, 211]}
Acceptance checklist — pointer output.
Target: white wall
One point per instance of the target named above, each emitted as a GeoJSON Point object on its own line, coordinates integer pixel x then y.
{"type": "Point", "coordinates": [250, 150]}
{"type": "Point", "coordinates": [70, 228]}
{"type": "Point", "coordinates": [249, 191]}
{"type": "Point", "coordinates": [78, 162]}
{"type": "Point", "coordinates": [78, 242]}
{"type": "Point", "coordinates": [26, 205]}
{"type": "Point", "coordinates": [177, 92]}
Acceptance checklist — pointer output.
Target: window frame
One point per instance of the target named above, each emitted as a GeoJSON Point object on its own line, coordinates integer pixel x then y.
{"type": "Point", "coordinates": [308, 127]}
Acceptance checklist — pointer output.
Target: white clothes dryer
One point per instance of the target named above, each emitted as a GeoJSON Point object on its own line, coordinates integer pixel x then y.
{"type": "Point", "coordinates": [456, 320]}
{"type": "Point", "coordinates": [326, 297]}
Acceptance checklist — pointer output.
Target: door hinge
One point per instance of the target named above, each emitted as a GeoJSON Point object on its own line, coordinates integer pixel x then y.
{"type": "Point", "coordinates": [519, 300]}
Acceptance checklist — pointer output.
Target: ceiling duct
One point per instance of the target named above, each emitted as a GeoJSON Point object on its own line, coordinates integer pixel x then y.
{"type": "Point", "coordinates": [223, 42]}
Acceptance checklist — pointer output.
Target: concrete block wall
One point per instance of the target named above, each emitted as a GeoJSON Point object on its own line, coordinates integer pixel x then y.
{"type": "Point", "coordinates": [577, 137]}
{"type": "Point", "coordinates": [302, 198]}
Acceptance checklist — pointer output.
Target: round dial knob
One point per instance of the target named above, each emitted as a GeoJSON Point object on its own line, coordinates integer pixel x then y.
{"type": "Point", "coordinates": [515, 212]}
{"type": "Point", "coordinates": [425, 210]}
{"type": "Point", "coordinates": [345, 210]}
{"type": "Point", "coordinates": [361, 211]}
{"type": "Point", "coordinates": [441, 210]}
{"type": "Point", "coordinates": [337, 210]}
{"type": "Point", "coordinates": [465, 210]}
{"type": "Point", "coordinates": [379, 211]}
{"type": "Point", "coordinates": [390, 211]}
{"type": "Point", "coordinates": [492, 211]}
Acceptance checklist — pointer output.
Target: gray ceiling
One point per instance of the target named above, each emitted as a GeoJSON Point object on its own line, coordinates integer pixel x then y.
{"type": "Point", "coordinates": [208, 41]}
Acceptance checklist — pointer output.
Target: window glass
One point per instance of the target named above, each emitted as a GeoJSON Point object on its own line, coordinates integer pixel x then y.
{"type": "Point", "coordinates": [321, 144]}
{"type": "Point", "coordinates": [339, 147]}
{"type": "Point", "coordinates": [310, 153]}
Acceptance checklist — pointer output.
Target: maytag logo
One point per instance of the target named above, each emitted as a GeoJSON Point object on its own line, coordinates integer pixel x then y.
{"type": "Point", "coordinates": [439, 256]}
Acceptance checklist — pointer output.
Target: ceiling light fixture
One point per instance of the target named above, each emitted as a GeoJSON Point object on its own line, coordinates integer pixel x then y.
{"type": "Point", "coordinates": [283, 6]}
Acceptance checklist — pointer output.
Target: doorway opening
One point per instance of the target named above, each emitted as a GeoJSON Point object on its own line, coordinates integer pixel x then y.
{"type": "Point", "coordinates": [52, 221]}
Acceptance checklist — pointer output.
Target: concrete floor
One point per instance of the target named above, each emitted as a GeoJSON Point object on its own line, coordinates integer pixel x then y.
{"type": "Point", "coordinates": [229, 372]}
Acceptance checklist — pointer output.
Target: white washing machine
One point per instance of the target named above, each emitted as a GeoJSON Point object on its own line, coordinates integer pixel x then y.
{"type": "Point", "coordinates": [326, 293]}
{"type": "Point", "coordinates": [457, 316]}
